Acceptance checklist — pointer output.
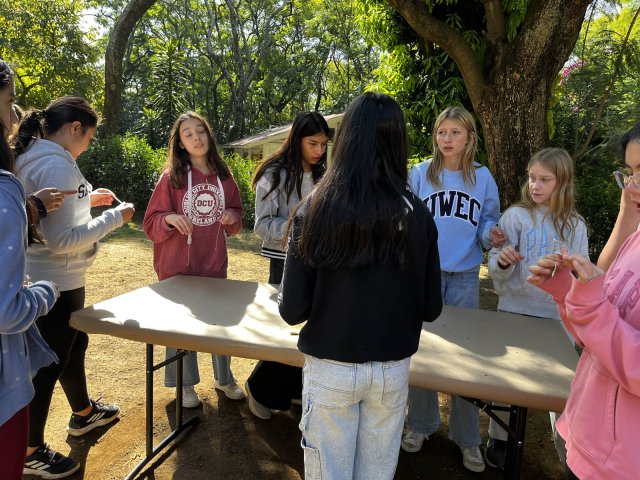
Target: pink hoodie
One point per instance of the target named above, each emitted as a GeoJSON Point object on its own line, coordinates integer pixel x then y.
{"type": "Point", "coordinates": [207, 254]}
{"type": "Point", "coordinates": [601, 421]}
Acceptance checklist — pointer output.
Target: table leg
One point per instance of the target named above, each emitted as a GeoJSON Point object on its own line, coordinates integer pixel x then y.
{"type": "Point", "coordinates": [515, 443]}
{"type": "Point", "coordinates": [180, 425]}
{"type": "Point", "coordinates": [515, 431]}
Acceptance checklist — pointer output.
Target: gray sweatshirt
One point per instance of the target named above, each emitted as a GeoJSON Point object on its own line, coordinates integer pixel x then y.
{"type": "Point", "coordinates": [71, 235]}
{"type": "Point", "coordinates": [272, 212]}
{"type": "Point", "coordinates": [533, 238]}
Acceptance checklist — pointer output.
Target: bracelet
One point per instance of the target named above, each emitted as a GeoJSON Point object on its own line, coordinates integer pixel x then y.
{"type": "Point", "coordinates": [42, 212]}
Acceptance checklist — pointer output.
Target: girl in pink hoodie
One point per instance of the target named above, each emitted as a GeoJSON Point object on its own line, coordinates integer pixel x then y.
{"type": "Point", "coordinates": [194, 205]}
{"type": "Point", "coordinates": [599, 304]}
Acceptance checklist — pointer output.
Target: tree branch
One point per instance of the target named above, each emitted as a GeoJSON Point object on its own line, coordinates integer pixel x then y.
{"type": "Point", "coordinates": [417, 15]}
{"type": "Point", "coordinates": [496, 28]}
{"type": "Point", "coordinates": [605, 97]}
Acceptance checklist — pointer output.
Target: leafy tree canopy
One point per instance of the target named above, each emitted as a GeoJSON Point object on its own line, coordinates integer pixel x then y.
{"type": "Point", "coordinates": [49, 50]}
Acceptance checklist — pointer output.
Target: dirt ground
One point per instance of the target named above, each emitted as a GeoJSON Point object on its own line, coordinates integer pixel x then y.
{"type": "Point", "coordinates": [230, 443]}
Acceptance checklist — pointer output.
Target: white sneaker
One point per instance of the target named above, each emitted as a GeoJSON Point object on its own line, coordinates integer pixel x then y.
{"type": "Point", "coordinates": [189, 397]}
{"type": "Point", "coordinates": [255, 407]}
{"type": "Point", "coordinates": [412, 441]}
{"type": "Point", "coordinates": [472, 459]}
{"type": "Point", "coordinates": [231, 390]}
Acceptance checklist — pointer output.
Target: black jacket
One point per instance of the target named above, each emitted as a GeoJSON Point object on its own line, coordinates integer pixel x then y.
{"type": "Point", "coordinates": [369, 314]}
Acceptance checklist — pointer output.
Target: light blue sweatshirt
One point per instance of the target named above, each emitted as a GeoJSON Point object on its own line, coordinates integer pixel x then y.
{"type": "Point", "coordinates": [533, 236]}
{"type": "Point", "coordinates": [22, 349]}
{"type": "Point", "coordinates": [463, 214]}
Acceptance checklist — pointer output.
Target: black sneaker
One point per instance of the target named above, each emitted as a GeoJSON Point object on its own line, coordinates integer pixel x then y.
{"type": "Point", "coordinates": [47, 463]}
{"type": "Point", "coordinates": [496, 453]}
{"type": "Point", "coordinates": [101, 414]}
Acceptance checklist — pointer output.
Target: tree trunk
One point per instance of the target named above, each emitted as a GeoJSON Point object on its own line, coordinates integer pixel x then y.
{"type": "Point", "coordinates": [113, 57]}
{"type": "Point", "coordinates": [513, 114]}
{"type": "Point", "coordinates": [510, 90]}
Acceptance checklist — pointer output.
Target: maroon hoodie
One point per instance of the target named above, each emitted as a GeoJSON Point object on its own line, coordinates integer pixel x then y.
{"type": "Point", "coordinates": [207, 254]}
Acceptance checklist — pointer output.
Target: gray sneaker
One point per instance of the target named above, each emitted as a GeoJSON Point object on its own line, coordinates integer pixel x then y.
{"type": "Point", "coordinates": [472, 459]}
{"type": "Point", "coordinates": [412, 441]}
{"type": "Point", "coordinates": [189, 397]}
{"type": "Point", "coordinates": [231, 390]}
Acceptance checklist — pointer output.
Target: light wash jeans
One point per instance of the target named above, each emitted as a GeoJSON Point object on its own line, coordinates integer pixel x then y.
{"type": "Point", "coordinates": [352, 418]}
{"type": "Point", "coordinates": [461, 289]}
{"type": "Point", "coordinates": [191, 373]}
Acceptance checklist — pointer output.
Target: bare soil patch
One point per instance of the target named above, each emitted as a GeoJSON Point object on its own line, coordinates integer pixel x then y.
{"type": "Point", "coordinates": [229, 443]}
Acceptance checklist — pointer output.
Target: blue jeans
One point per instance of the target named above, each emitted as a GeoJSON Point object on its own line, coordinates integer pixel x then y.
{"type": "Point", "coordinates": [460, 289]}
{"type": "Point", "coordinates": [352, 418]}
{"type": "Point", "coordinates": [190, 372]}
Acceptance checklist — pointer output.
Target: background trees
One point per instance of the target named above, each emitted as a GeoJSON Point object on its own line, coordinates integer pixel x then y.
{"type": "Point", "coordinates": [247, 65]}
{"type": "Point", "coordinates": [532, 71]}
{"type": "Point", "coordinates": [50, 49]}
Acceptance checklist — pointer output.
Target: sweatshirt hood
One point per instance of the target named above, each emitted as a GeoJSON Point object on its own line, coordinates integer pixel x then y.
{"type": "Point", "coordinates": [40, 148]}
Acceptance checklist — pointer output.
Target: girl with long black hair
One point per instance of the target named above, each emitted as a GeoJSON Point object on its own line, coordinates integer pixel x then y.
{"type": "Point", "coordinates": [363, 271]}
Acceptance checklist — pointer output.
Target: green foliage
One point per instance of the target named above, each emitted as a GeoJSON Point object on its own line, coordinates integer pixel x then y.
{"type": "Point", "coordinates": [581, 87]}
{"type": "Point", "coordinates": [126, 165]}
{"type": "Point", "coordinates": [208, 56]}
{"type": "Point", "coordinates": [422, 78]}
{"type": "Point", "coordinates": [598, 197]}
{"type": "Point", "coordinates": [242, 169]}
{"type": "Point", "coordinates": [50, 53]}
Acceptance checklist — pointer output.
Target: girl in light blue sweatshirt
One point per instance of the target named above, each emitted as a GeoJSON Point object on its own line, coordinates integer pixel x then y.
{"type": "Point", "coordinates": [543, 223]}
{"type": "Point", "coordinates": [463, 199]}
{"type": "Point", "coordinates": [22, 349]}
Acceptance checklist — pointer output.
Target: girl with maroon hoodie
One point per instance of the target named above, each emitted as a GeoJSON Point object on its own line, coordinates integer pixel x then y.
{"type": "Point", "coordinates": [194, 205]}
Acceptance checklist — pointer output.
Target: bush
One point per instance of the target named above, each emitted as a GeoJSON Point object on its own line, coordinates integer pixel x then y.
{"type": "Point", "coordinates": [598, 198]}
{"type": "Point", "coordinates": [242, 169]}
{"type": "Point", "coordinates": [126, 165]}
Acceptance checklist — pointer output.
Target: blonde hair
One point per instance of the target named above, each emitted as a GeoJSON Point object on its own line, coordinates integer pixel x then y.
{"type": "Point", "coordinates": [462, 116]}
{"type": "Point", "coordinates": [562, 208]}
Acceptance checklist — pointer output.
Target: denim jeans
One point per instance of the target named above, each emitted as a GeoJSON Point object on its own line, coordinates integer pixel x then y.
{"type": "Point", "coordinates": [461, 289]}
{"type": "Point", "coordinates": [352, 418]}
{"type": "Point", "coordinates": [191, 373]}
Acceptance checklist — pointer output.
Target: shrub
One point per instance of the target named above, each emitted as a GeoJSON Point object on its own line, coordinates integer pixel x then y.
{"type": "Point", "coordinates": [598, 198]}
{"type": "Point", "coordinates": [126, 165]}
{"type": "Point", "coordinates": [242, 169]}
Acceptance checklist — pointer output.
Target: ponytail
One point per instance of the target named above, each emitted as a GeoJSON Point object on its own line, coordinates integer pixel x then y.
{"type": "Point", "coordinates": [30, 128]}
{"type": "Point", "coordinates": [63, 110]}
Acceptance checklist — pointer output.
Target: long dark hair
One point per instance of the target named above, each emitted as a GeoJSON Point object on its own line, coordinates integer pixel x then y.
{"type": "Point", "coordinates": [289, 156]}
{"type": "Point", "coordinates": [6, 74]}
{"type": "Point", "coordinates": [178, 159]}
{"type": "Point", "coordinates": [632, 135]}
{"type": "Point", "coordinates": [63, 110]}
{"type": "Point", "coordinates": [357, 216]}
{"type": "Point", "coordinates": [7, 162]}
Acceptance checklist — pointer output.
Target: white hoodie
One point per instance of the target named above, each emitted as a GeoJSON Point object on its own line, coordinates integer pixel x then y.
{"type": "Point", "coordinates": [71, 235]}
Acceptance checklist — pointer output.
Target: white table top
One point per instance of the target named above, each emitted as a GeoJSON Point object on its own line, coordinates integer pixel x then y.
{"type": "Point", "coordinates": [515, 359]}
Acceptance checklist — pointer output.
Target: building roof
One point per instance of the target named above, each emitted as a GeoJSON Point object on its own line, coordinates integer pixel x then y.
{"type": "Point", "coordinates": [269, 135]}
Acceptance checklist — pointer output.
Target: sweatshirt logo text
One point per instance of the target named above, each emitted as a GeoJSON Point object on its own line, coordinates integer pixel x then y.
{"type": "Point", "coordinates": [454, 203]}
{"type": "Point", "coordinates": [206, 204]}
{"type": "Point", "coordinates": [623, 290]}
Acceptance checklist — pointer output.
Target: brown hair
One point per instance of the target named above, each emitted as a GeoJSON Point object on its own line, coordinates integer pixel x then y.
{"type": "Point", "coordinates": [178, 159]}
